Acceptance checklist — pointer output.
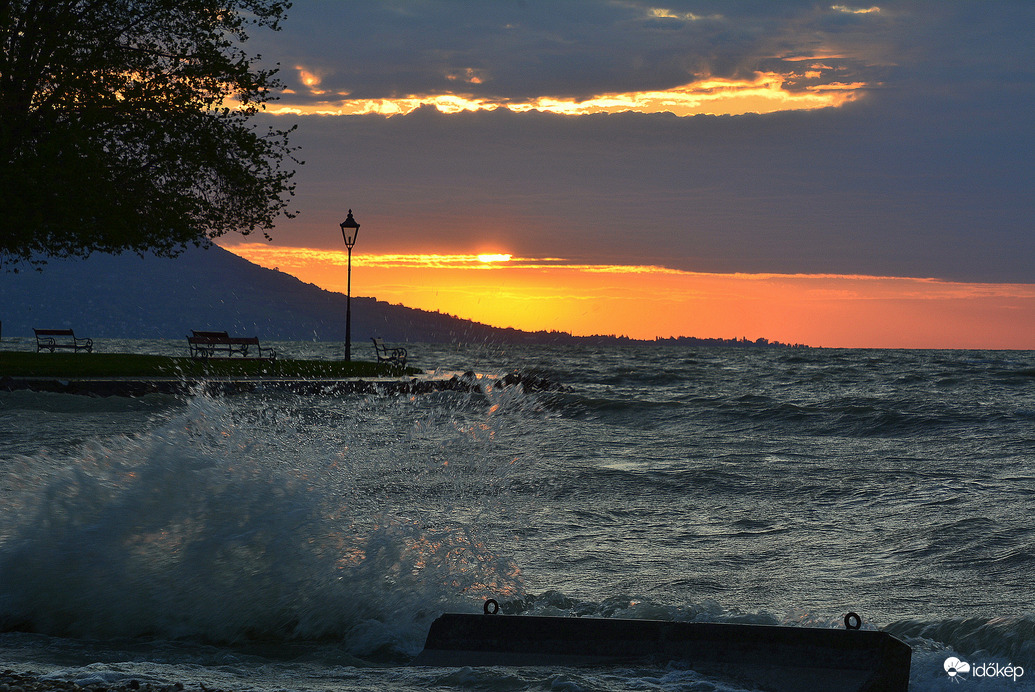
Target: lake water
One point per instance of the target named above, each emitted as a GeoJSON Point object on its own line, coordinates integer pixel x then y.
{"type": "Point", "coordinates": [271, 541]}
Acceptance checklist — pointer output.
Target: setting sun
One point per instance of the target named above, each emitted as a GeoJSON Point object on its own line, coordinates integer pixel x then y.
{"type": "Point", "coordinates": [534, 294]}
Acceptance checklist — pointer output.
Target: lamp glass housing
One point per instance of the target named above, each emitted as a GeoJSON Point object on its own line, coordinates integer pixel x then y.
{"type": "Point", "coordinates": [349, 230]}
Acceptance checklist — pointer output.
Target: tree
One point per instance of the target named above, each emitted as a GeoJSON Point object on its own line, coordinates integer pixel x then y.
{"type": "Point", "coordinates": [126, 125]}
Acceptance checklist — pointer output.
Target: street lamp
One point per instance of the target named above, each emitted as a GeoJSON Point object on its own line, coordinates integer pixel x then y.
{"type": "Point", "coordinates": [349, 231]}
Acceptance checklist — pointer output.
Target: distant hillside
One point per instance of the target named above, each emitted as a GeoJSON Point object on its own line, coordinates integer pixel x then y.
{"type": "Point", "coordinates": [127, 296]}
{"type": "Point", "coordinates": [111, 296]}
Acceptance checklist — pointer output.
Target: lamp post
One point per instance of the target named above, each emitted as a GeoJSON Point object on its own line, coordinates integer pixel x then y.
{"type": "Point", "coordinates": [349, 231]}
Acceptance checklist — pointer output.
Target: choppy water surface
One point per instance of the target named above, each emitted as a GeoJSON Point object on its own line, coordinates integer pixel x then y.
{"type": "Point", "coordinates": [273, 541]}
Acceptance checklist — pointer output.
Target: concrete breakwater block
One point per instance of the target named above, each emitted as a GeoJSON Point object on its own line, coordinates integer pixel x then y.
{"type": "Point", "coordinates": [768, 657]}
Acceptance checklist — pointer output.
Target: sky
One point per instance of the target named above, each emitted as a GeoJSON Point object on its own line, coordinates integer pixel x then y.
{"type": "Point", "coordinates": [843, 175]}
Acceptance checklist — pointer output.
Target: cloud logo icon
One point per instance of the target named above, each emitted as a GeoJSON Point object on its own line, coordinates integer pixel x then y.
{"type": "Point", "coordinates": [953, 666]}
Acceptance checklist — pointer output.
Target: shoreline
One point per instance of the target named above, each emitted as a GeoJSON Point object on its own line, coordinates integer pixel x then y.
{"type": "Point", "coordinates": [222, 386]}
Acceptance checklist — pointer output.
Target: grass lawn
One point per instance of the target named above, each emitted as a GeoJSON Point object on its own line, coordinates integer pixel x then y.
{"type": "Point", "coordinates": [101, 365]}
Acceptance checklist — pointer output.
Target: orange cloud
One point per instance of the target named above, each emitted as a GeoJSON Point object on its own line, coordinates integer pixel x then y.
{"type": "Point", "coordinates": [311, 80]}
{"type": "Point", "coordinates": [648, 302]}
{"type": "Point", "coordinates": [766, 93]}
{"type": "Point", "coordinates": [469, 75]}
{"type": "Point", "coordinates": [849, 10]}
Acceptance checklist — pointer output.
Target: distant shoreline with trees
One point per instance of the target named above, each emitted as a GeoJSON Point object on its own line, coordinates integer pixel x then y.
{"type": "Point", "coordinates": [517, 336]}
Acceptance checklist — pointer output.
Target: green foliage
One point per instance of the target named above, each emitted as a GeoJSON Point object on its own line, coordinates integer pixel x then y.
{"type": "Point", "coordinates": [135, 365]}
{"type": "Point", "coordinates": [125, 125]}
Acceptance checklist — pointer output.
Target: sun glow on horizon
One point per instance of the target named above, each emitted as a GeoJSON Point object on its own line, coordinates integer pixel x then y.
{"type": "Point", "coordinates": [645, 302]}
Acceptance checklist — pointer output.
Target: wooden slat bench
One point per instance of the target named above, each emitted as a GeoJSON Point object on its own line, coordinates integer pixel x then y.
{"type": "Point", "coordinates": [386, 354]}
{"type": "Point", "coordinates": [215, 344]}
{"type": "Point", "coordinates": [52, 339]}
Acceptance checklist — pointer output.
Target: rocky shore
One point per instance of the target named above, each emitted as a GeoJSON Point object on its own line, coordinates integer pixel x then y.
{"type": "Point", "coordinates": [10, 681]}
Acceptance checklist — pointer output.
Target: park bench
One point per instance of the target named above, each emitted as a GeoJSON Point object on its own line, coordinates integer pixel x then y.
{"type": "Point", "coordinates": [387, 354]}
{"type": "Point", "coordinates": [52, 339]}
{"type": "Point", "coordinates": [215, 344]}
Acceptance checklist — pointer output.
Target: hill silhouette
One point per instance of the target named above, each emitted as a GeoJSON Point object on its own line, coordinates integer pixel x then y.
{"type": "Point", "coordinates": [128, 296]}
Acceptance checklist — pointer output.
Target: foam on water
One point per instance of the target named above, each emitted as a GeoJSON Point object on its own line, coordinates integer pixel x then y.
{"type": "Point", "coordinates": [237, 519]}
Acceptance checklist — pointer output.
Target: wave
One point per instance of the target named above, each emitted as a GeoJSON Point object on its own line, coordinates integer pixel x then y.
{"type": "Point", "coordinates": [230, 523]}
{"type": "Point", "coordinates": [829, 416]}
{"type": "Point", "coordinates": [1010, 638]}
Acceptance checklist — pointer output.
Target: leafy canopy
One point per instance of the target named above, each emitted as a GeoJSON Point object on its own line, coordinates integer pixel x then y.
{"type": "Point", "coordinates": [126, 125]}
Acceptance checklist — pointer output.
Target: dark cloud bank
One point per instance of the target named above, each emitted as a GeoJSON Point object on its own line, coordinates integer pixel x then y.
{"type": "Point", "coordinates": [928, 175]}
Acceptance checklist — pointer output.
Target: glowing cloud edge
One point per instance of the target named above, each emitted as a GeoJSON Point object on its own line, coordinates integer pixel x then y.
{"type": "Point", "coordinates": [766, 93]}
